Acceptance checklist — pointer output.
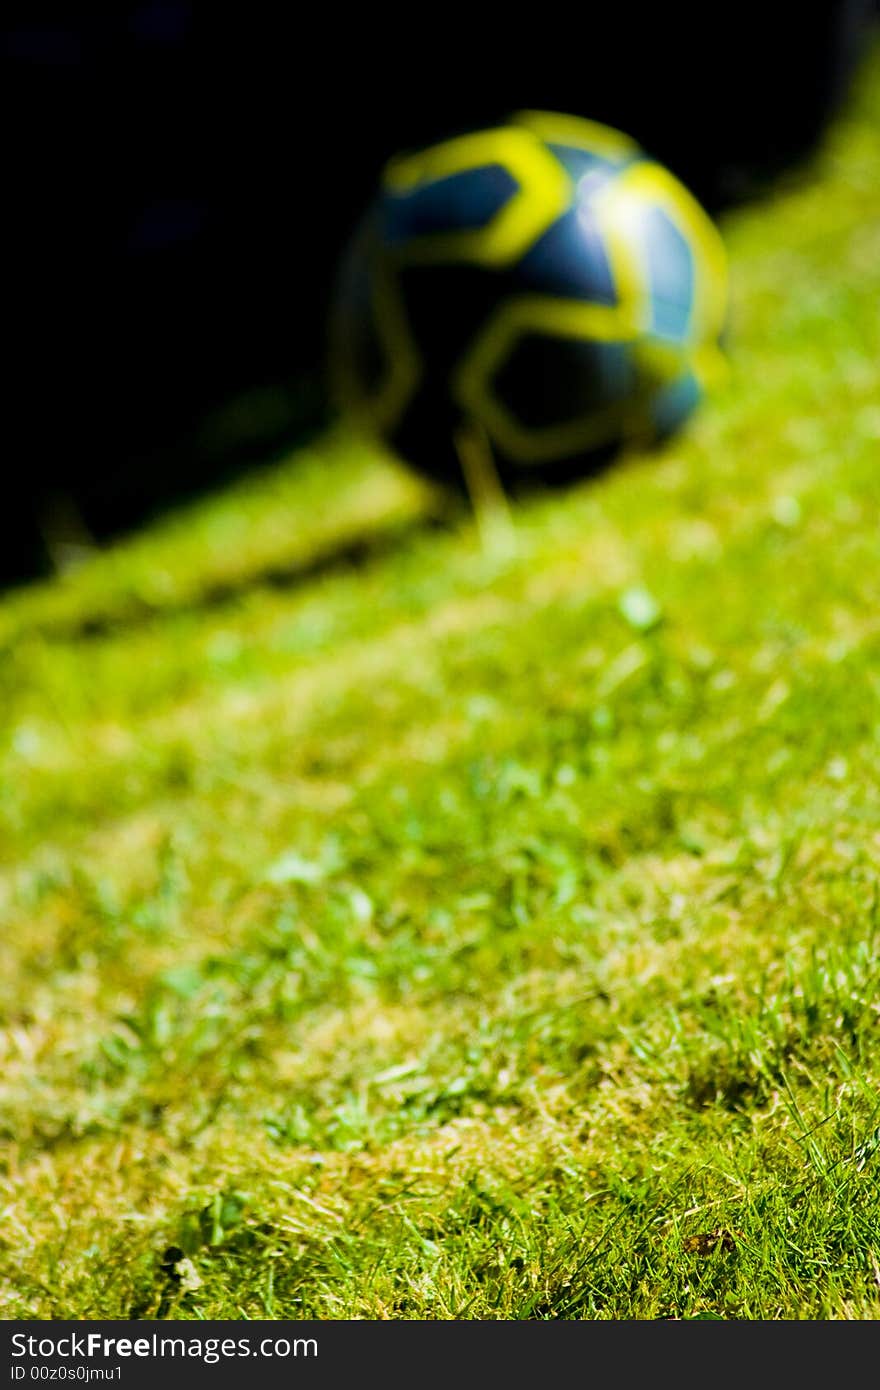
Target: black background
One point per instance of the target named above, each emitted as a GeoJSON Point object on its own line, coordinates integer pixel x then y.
{"type": "Point", "coordinates": [181, 178]}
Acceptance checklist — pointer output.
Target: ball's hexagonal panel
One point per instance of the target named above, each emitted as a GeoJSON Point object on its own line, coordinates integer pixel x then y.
{"type": "Point", "coordinates": [374, 364]}
{"type": "Point", "coordinates": [462, 202]}
{"type": "Point", "coordinates": [569, 260]}
{"type": "Point", "coordinates": [671, 276]}
{"type": "Point", "coordinates": [542, 190]}
{"type": "Point", "coordinates": [547, 381]}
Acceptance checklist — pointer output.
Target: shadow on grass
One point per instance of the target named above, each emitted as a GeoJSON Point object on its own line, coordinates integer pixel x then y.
{"type": "Point", "coordinates": [354, 553]}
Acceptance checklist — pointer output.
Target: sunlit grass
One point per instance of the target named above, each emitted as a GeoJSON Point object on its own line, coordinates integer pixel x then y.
{"type": "Point", "coordinates": [394, 927]}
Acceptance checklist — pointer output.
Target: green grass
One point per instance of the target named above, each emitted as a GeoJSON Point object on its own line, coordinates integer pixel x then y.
{"type": "Point", "coordinates": [396, 926]}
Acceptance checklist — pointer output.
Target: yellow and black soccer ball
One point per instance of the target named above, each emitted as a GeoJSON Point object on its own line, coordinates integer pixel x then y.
{"type": "Point", "coordinates": [545, 283]}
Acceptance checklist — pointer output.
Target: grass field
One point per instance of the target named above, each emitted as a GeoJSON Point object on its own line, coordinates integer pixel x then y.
{"type": "Point", "coordinates": [398, 926]}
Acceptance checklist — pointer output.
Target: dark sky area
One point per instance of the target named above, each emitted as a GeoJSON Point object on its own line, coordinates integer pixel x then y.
{"type": "Point", "coordinates": [181, 178]}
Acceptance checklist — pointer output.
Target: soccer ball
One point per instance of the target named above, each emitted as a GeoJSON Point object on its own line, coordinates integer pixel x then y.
{"type": "Point", "coordinates": [544, 286]}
